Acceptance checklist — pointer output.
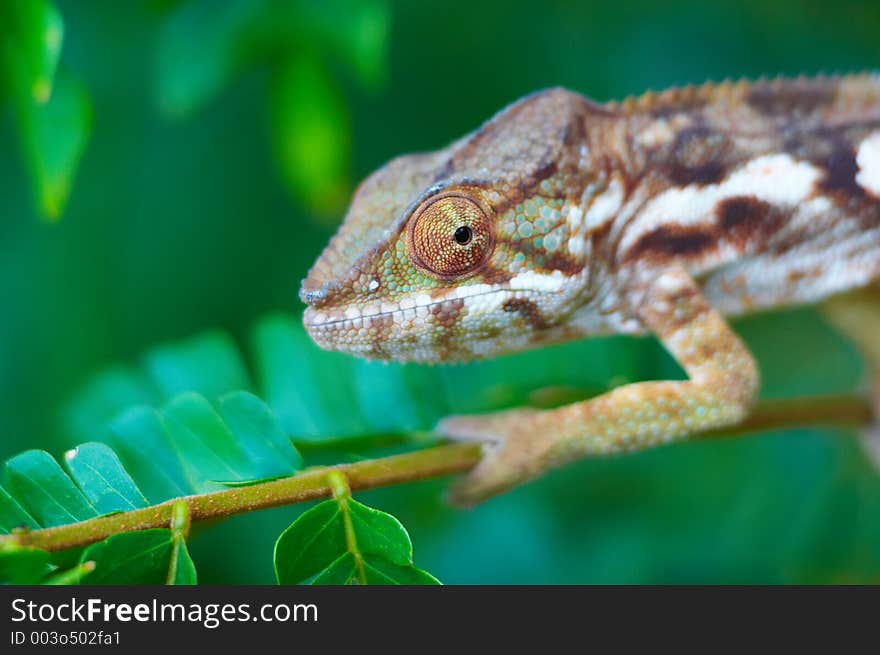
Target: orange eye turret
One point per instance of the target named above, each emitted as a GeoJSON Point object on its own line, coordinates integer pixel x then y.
{"type": "Point", "coordinates": [450, 235]}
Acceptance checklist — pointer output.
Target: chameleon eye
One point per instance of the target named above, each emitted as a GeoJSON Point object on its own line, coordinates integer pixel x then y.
{"type": "Point", "coordinates": [450, 236]}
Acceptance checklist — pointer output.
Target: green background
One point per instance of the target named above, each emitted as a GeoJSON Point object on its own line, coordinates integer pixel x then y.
{"type": "Point", "coordinates": [178, 224]}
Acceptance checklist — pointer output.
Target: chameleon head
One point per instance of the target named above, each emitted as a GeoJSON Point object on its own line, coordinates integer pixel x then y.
{"type": "Point", "coordinates": [467, 252]}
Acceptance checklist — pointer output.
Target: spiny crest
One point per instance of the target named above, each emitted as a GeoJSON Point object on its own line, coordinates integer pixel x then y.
{"type": "Point", "coordinates": [683, 96]}
{"type": "Point", "coordinates": [782, 97]}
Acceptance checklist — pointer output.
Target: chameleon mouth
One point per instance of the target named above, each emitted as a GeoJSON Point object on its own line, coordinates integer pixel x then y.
{"type": "Point", "coordinates": [353, 317]}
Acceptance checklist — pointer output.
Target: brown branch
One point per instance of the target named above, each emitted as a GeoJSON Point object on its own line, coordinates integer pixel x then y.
{"type": "Point", "coordinates": [831, 411]}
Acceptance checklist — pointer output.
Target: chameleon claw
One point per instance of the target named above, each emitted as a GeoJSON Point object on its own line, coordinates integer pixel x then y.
{"type": "Point", "coordinates": [513, 453]}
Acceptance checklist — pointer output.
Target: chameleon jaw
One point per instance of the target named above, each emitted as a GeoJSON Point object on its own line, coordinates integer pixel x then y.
{"type": "Point", "coordinates": [426, 330]}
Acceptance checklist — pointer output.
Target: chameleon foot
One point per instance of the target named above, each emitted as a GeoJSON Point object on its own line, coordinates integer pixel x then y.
{"type": "Point", "coordinates": [513, 452]}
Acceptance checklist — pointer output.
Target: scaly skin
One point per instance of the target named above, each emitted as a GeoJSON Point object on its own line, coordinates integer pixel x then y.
{"type": "Point", "coordinates": [561, 218]}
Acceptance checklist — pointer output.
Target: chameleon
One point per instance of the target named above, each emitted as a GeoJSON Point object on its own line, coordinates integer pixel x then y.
{"type": "Point", "coordinates": [561, 218]}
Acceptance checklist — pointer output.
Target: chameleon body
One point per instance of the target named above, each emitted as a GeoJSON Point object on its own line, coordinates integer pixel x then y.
{"type": "Point", "coordinates": [561, 218]}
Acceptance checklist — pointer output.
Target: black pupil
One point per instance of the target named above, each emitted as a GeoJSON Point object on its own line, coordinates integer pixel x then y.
{"type": "Point", "coordinates": [463, 235]}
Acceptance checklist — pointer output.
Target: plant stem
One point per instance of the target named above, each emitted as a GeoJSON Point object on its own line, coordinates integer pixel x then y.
{"type": "Point", "coordinates": [342, 494]}
{"type": "Point", "coordinates": [832, 411]}
{"type": "Point", "coordinates": [180, 523]}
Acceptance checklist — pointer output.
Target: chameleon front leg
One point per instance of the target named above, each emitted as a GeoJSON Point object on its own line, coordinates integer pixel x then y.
{"type": "Point", "coordinates": [857, 315]}
{"type": "Point", "coordinates": [521, 444]}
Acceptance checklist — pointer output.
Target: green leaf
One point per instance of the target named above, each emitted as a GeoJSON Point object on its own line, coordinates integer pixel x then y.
{"type": "Point", "coordinates": [310, 544]}
{"type": "Point", "coordinates": [294, 375]}
{"type": "Point", "coordinates": [34, 31]}
{"type": "Point", "coordinates": [316, 546]}
{"type": "Point", "coordinates": [356, 31]}
{"type": "Point", "coordinates": [99, 473]}
{"type": "Point", "coordinates": [54, 136]}
{"type": "Point", "coordinates": [208, 449]}
{"type": "Point", "coordinates": [181, 569]}
{"type": "Point", "coordinates": [70, 576]}
{"type": "Point", "coordinates": [311, 134]}
{"type": "Point", "coordinates": [186, 447]}
{"type": "Point", "coordinates": [381, 571]}
{"type": "Point", "coordinates": [379, 533]}
{"type": "Point", "coordinates": [190, 447]}
{"type": "Point", "coordinates": [134, 558]}
{"type": "Point", "coordinates": [342, 571]}
{"type": "Point", "coordinates": [106, 396]}
{"type": "Point", "coordinates": [201, 48]}
{"type": "Point", "coordinates": [13, 515]}
{"type": "Point", "coordinates": [140, 439]}
{"type": "Point", "coordinates": [374, 381]}
{"type": "Point", "coordinates": [377, 571]}
{"type": "Point", "coordinates": [257, 431]}
{"type": "Point", "coordinates": [45, 490]}
{"type": "Point", "coordinates": [22, 565]}
{"type": "Point", "coordinates": [208, 363]}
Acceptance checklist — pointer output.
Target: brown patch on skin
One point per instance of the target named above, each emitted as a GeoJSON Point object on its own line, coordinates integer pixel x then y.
{"type": "Point", "coordinates": [841, 170]}
{"type": "Point", "coordinates": [492, 275]}
{"type": "Point", "coordinates": [744, 219]}
{"type": "Point", "coordinates": [559, 262]}
{"type": "Point", "coordinates": [446, 316]}
{"type": "Point", "coordinates": [575, 132]}
{"type": "Point", "coordinates": [741, 220]}
{"type": "Point", "coordinates": [446, 313]}
{"type": "Point", "coordinates": [834, 151]}
{"type": "Point", "coordinates": [812, 145]}
{"type": "Point", "coordinates": [788, 243]}
{"type": "Point", "coordinates": [794, 98]}
{"type": "Point", "coordinates": [742, 214]}
{"type": "Point", "coordinates": [600, 233]}
{"type": "Point", "coordinates": [546, 170]}
{"type": "Point", "coordinates": [799, 275]}
{"type": "Point", "coordinates": [528, 310]}
{"type": "Point", "coordinates": [381, 328]}
{"type": "Point", "coordinates": [669, 241]}
{"type": "Point", "coordinates": [869, 219]}
{"type": "Point", "coordinates": [666, 112]}
{"type": "Point", "coordinates": [698, 157]}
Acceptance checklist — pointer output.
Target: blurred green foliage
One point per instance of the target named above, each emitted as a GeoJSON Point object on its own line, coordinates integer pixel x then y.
{"type": "Point", "coordinates": [53, 112]}
{"type": "Point", "coordinates": [180, 219]}
{"type": "Point", "coordinates": [204, 46]}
